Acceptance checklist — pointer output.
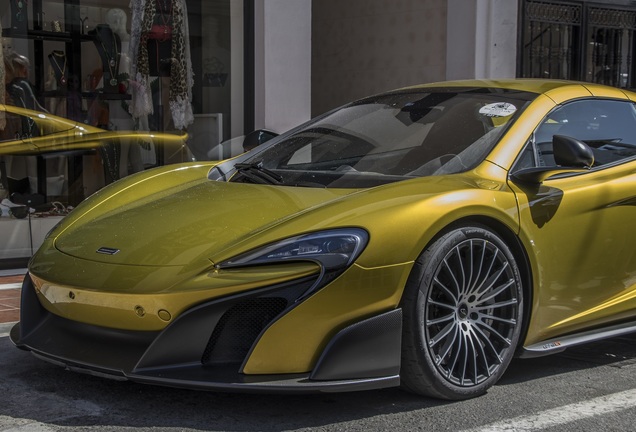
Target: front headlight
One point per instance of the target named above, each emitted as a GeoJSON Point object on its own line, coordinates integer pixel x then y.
{"type": "Point", "coordinates": [334, 250]}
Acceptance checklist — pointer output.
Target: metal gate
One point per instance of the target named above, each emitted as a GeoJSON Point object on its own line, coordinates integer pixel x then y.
{"type": "Point", "coordinates": [578, 40]}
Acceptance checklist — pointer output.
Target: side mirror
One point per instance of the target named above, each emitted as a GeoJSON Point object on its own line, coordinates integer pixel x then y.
{"type": "Point", "coordinates": [570, 154]}
{"type": "Point", "coordinates": [256, 138]}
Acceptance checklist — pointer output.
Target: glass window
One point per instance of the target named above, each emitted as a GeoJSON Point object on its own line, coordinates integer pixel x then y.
{"type": "Point", "coordinates": [607, 126]}
{"type": "Point", "coordinates": [393, 137]}
{"type": "Point", "coordinates": [117, 67]}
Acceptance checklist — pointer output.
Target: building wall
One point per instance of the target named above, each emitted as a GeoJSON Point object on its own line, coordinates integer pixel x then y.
{"type": "Point", "coordinates": [482, 39]}
{"type": "Point", "coordinates": [361, 47]}
{"type": "Point", "coordinates": [282, 31]}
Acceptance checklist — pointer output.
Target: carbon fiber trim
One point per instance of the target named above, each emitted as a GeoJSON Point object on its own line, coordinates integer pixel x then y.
{"type": "Point", "coordinates": [366, 349]}
{"type": "Point", "coordinates": [555, 345]}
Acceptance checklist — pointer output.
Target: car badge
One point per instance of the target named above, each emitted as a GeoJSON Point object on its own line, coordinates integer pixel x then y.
{"type": "Point", "coordinates": [107, 250]}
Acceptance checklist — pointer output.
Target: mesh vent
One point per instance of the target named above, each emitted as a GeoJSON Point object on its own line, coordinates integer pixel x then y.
{"type": "Point", "coordinates": [239, 327]}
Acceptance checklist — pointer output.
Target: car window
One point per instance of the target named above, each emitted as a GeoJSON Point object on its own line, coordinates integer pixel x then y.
{"type": "Point", "coordinates": [607, 126]}
{"type": "Point", "coordinates": [394, 137]}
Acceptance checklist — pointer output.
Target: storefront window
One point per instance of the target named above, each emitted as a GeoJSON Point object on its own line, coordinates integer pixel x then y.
{"type": "Point", "coordinates": [116, 65]}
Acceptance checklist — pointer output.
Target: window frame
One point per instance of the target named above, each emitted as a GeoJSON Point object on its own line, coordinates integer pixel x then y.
{"type": "Point", "coordinates": [532, 140]}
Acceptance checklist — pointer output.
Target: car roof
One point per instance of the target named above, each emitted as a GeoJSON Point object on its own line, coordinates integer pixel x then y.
{"type": "Point", "coordinates": [558, 89]}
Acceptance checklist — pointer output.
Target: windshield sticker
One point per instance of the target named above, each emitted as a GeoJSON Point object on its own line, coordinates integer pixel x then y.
{"type": "Point", "coordinates": [502, 109]}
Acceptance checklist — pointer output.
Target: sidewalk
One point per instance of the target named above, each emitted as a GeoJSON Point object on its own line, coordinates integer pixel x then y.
{"type": "Point", "coordinates": [10, 287]}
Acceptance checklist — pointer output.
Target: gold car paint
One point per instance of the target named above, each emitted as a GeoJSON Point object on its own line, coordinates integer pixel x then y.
{"type": "Point", "coordinates": [605, 92]}
{"type": "Point", "coordinates": [384, 215]}
{"type": "Point", "coordinates": [567, 310]}
{"type": "Point", "coordinates": [120, 300]}
{"type": "Point", "coordinates": [434, 202]}
{"type": "Point", "coordinates": [531, 85]}
{"type": "Point", "coordinates": [134, 187]}
{"type": "Point", "coordinates": [568, 93]}
{"type": "Point", "coordinates": [376, 283]}
{"type": "Point", "coordinates": [382, 275]}
{"type": "Point", "coordinates": [629, 95]}
{"type": "Point", "coordinates": [517, 135]}
{"type": "Point", "coordinates": [568, 225]}
{"type": "Point", "coordinates": [294, 343]}
{"type": "Point", "coordinates": [179, 224]}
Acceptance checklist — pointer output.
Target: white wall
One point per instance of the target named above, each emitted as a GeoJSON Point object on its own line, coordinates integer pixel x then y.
{"type": "Point", "coordinates": [283, 63]}
{"type": "Point", "coordinates": [236, 50]}
{"type": "Point", "coordinates": [482, 39]}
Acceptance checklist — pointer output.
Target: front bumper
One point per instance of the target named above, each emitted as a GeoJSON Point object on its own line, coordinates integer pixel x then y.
{"type": "Point", "coordinates": [206, 347]}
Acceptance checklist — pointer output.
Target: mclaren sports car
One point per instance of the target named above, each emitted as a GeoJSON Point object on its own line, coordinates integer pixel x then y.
{"type": "Point", "coordinates": [421, 238]}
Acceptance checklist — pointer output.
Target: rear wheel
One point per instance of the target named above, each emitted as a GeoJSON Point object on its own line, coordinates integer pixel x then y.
{"type": "Point", "coordinates": [462, 310]}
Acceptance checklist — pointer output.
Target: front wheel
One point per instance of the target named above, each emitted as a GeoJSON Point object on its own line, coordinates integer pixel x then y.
{"type": "Point", "coordinates": [463, 307]}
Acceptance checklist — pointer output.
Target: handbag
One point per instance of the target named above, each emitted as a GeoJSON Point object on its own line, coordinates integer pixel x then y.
{"type": "Point", "coordinates": [160, 32]}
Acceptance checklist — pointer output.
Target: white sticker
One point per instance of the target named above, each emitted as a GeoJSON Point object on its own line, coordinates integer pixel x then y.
{"type": "Point", "coordinates": [502, 109]}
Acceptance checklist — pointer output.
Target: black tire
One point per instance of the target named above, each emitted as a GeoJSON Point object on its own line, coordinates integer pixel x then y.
{"type": "Point", "coordinates": [463, 307]}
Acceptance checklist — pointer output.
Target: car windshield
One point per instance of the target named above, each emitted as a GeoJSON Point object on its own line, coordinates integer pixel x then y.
{"type": "Point", "coordinates": [388, 138]}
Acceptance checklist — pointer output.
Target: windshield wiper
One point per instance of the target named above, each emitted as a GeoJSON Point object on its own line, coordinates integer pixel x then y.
{"type": "Point", "coordinates": [256, 173]}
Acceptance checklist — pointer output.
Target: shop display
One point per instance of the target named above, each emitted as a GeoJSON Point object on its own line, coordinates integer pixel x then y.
{"type": "Point", "coordinates": [19, 15]}
{"type": "Point", "coordinates": [108, 46]}
{"type": "Point", "coordinates": [160, 47]}
{"type": "Point", "coordinates": [125, 66]}
{"type": "Point", "coordinates": [60, 67]}
{"type": "Point", "coordinates": [146, 78]}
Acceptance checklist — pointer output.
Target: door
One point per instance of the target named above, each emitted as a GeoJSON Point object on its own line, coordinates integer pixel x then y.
{"type": "Point", "coordinates": [582, 227]}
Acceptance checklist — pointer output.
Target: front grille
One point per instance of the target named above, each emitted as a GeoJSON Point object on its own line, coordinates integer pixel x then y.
{"type": "Point", "coordinates": [239, 327]}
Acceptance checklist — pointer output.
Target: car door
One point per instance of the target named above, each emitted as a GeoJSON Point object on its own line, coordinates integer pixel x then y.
{"type": "Point", "coordinates": [582, 226]}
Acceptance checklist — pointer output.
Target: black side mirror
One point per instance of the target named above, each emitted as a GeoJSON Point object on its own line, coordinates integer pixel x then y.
{"type": "Point", "coordinates": [570, 154]}
{"type": "Point", "coordinates": [256, 138]}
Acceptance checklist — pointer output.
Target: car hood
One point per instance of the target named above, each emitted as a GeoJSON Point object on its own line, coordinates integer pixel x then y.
{"type": "Point", "coordinates": [185, 224]}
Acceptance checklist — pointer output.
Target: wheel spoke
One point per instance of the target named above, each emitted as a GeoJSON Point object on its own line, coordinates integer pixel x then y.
{"type": "Point", "coordinates": [455, 357]}
{"type": "Point", "coordinates": [487, 343]}
{"type": "Point", "coordinates": [510, 321]}
{"type": "Point", "coordinates": [494, 293]}
{"type": "Point", "coordinates": [469, 360]}
{"type": "Point", "coordinates": [444, 305]}
{"type": "Point", "coordinates": [461, 263]}
{"type": "Point", "coordinates": [482, 353]}
{"type": "Point", "coordinates": [444, 318]}
{"type": "Point", "coordinates": [474, 282]}
{"type": "Point", "coordinates": [497, 305]}
{"type": "Point", "coordinates": [446, 348]}
{"type": "Point", "coordinates": [464, 364]}
{"type": "Point", "coordinates": [478, 285]}
{"type": "Point", "coordinates": [442, 334]}
{"type": "Point", "coordinates": [490, 281]}
{"type": "Point", "coordinates": [491, 330]}
{"type": "Point", "coordinates": [448, 291]}
{"type": "Point", "coordinates": [452, 273]}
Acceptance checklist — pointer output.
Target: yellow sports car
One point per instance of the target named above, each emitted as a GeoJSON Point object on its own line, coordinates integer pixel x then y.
{"type": "Point", "coordinates": [421, 237]}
